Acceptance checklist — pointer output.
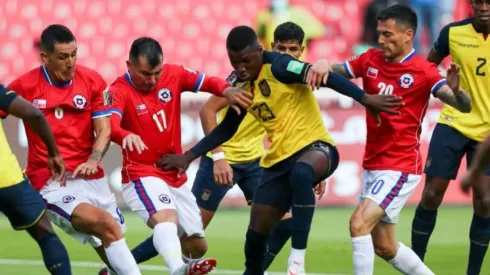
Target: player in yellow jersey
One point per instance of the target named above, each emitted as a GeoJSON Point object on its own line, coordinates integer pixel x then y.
{"type": "Point", "coordinates": [301, 154]}
{"type": "Point", "coordinates": [458, 134]}
{"type": "Point", "coordinates": [22, 205]}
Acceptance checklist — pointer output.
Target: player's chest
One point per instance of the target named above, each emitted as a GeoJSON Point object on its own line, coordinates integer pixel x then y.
{"type": "Point", "coordinates": [472, 54]}
{"type": "Point", "coordinates": [269, 96]}
{"type": "Point", "coordinates": [391, 82]}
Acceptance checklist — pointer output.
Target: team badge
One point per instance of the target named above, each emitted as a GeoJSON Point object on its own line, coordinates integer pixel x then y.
{"type": "Point", "coordinates": [406, 81]}
{"type": "Point", "coordinates": [164, 198]}
{"type": "Point", "coordinates": [68, 199]}
{"type": "Point", "coordinates": [79, 101]}
{"type": "Point", "coordinates": [265, 90]}
{"type": "Point", "coordinates": [232, 79]}
{"type": "Point", "coordinates": [205, 195]}
{"type": "Point", "coordinates": [164, 95]}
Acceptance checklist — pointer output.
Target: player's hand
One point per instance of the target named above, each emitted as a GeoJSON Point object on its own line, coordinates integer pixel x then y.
{"type": "Point", "coordinates": [381, 103]}
{"type": "Point", "coordinates": [238, 96]}
{"type": "Point", "coordinates": [318, 74]}
{"type": "Point", "coordinates": [133, 142]}
{"type": "Point", "coordinates": [174, 161]}
{"type": "Point", "coordinates": [452, 78]}
{"type": "Point", "coordinates": [222, 172]}
{"type": "Point", "coordinates": [468, 179]}
{"type": "Point", "coordinates": [57, 169]}
{"type": "Point", "coordinates": [320, 189]}
{"type": "Point", "coordinates": [86, 169]}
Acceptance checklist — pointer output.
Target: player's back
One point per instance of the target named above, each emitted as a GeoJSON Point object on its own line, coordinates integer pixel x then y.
{"type": "Point", "coordinates": [69, 110]}
{"type": "Point", "coordinates": [471, 51]}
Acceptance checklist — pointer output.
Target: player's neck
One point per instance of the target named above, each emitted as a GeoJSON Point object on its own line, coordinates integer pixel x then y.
{"type": "Point", "coordinates": [406, 55]}
{"type": "Point", "coordinates": [52, 79]}
{"type": "Point", "coordinates": [482, 28]}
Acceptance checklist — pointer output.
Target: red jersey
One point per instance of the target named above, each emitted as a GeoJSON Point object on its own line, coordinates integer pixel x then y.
{"type": "Point", "coordinates": [395, 144]}
{"type": "Point", "coordinates": [155, 117]}
{"type": "Point", "coordinates": [69, 110]}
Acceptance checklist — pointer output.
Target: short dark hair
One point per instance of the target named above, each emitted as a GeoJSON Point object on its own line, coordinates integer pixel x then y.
{"type": "Point", "coordinates": [53, 34]}
{"type": "Point", "coordinates": [147, 47]}
{"type": "Point", "coordinates": [289, 31]}
{"type": "Point", "coordinates": [241, 37]}
{"type": "Point", "coordinates": [401, 14]}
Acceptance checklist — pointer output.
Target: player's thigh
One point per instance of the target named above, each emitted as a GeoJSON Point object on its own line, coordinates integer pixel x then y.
{"type": "Point", "coordinates": [148, 195]}
{"type": "Point", "coordinates": [384, 240]}
{"type": "Point", "coordinates": [446, 150]}
{"type": "Point", "coordinates": [22, 205]}
{"type": "Point", "coordinates": [190, 222]}
{"type": "Point", "coordinates": [208, 194]}
{"type": "Point", "coordinates": [390, 190]}
{"type": "Point", "coordinates": [104, 199]}
{"type": "Point", "coordinates": [248, 178]}
{"type": "Point", "coordinates": [323, 158]}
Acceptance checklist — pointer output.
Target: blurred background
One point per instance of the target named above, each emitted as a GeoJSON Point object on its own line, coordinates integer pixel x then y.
{"type": "Point", "coordinates": [193, 33]}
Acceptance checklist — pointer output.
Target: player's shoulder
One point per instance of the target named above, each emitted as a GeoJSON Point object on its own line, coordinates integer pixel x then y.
{"type": "Point", "coordinates": [464, 22]}
{"type": "Point", "coordinates": [269, 57]}
{"type": "Point", "coordinates": [120, 85]}
{"type": "Point", "coordinates": [27, 81]}
{"type": "Point", "coordinates": [372, 54]}
{"type": "Point", "coordinates": [88, 74]}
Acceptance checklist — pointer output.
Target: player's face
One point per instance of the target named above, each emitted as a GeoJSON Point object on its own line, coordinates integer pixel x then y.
{"type": "Point", "coordinates": [143, 76]}
{"type": "Point", "coordinates": [61, 61]}
{"type": "Point", "coordinates": [247, 62]}
{"type": "Point", "coordinates": [481, 9]}
{"type": "Point", "coordinates": [291, 47]}
{"type": "Point", "coordinates": [393, 38]}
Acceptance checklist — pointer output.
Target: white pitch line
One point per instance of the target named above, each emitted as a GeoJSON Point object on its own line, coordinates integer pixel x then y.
{"type": "Point", "coordinates": [142, 267]}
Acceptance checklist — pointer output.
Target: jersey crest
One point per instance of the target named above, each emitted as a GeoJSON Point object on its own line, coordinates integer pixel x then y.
{"type": "Point", "coordinates": [165, 95]}
{"type": "Point", "coordinates": [79, 101]}
{"type": "Point", "coordinates": [406, 81]}
{"type": "Point", "coordinates": [265, 90]}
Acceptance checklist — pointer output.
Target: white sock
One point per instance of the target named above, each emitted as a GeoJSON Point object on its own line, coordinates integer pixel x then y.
{"type": "Point", "coordinates": [121, 259]}
{"type": "Point", "coordinates": [363, 255]}
{"type": "Point", "coordinates": [407, 262]}
{"type": "Point", "coordinates": [297, 256]}
{"type": "Point", "coordinates": [167, 244]}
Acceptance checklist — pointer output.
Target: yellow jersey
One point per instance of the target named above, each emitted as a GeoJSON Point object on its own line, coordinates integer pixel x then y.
{"type": "Point", "coordinates": [10, 172]}
{"type": "Point", "coordinates": [285, 107]}
{"type": "Point", "coordinates": [471, 51]}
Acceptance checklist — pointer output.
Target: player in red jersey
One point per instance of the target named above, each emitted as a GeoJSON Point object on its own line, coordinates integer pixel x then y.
{"type": "Point", "coordinates": [71, 98]}
{"type": "Point", "coordinates": [392, 160]}
{"type": "Point", "coordinates": [146, 123]}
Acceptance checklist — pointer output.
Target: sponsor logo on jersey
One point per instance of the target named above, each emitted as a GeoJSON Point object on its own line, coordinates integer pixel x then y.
{"type": "Point", "coordinates": [164, 198]}
{"type": "Point", "coordinates": [265, 90]}
{"type": "Point", "coordinates": [372, 72]}
{"type": "Point", "coordinates": [39, 103]}
{"type": "Point", "coordinates": [79, 101]}
{"type": "Point", "coordinates": [406, 81]}
{"type": "Point", "coordinates": [141, 109]}
{"type": "Point", "coordinates": [165, 95]}
{"type": "Point", "coordinates": [68, 199]}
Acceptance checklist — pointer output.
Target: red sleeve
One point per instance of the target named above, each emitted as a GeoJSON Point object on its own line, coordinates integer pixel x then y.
{"type": "Point", "coordinates": [354, 65]}
{"type": "Point", "coordinates": [100, 106]}
{"type": "Point", "coordinates": [434, 78]}
{"type": "Point", "coordinates": [198, 81]}
{"type": "Point", "coordinates": [117, 101]}
{"type": "Point", "coordinates": [17, 88]}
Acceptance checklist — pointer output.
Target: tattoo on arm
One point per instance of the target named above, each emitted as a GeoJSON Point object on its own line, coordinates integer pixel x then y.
{"type": "Point", "coordinates": [340, 69]}
{"type": "Point", "coordinates": [460, 100]}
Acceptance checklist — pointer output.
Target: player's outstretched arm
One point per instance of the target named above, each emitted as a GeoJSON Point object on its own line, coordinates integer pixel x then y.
{"type": "Point", "coordinates": [452, 94]}
{"type": "Point", "coordinates": [340, 69]}
{"type": "Point", "coordinates": [478, 164]}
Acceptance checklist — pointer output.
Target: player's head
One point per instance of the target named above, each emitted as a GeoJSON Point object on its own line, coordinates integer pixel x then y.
{"type": "Point", "coordinates": [245, 52]}
{"type": "Point", "coordinates": [145, 63]}
{"type": "Point", "coordinates": [481, 11]}
{"type": "Point", "coordinates": [59, 52]}
{"type": "Point", "coordinates": [288, 38]}
{"type": "Point", "coordinates": [396, 29]}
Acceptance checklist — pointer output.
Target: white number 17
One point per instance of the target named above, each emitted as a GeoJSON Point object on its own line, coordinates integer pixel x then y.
{"type": "Point", "coordinates": [163, 124]}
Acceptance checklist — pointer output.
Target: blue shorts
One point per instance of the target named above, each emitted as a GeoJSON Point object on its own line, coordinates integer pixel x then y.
{"type": "Point", "coordinates": [209, 194]}
{"type": "Point", "coordinates": [22, 205]}
{"type": "Point", "coordinates": [446, 150]}
{"type": "Point", "coordinates": [274, 188]}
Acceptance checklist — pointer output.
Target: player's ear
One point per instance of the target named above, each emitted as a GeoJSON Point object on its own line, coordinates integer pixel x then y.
{"type": "Point", "coordinates": [302, 49]}
{"type": "Point", "coordinates": [273, 44]}
{"type": "Point", "coordinates": [128, 64]}
{"type": "Point", "coordinates": [410, 35]}
{"type": "Point", "coordinates": [44, 57]}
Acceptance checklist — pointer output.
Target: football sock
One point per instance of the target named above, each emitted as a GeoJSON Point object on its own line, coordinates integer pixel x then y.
{"type": "Point", "coordinates": [144, 251]}
{"type": "Point", "coordinates": [423, 224]}
{"type": "Point", "coordinates": [276, 241]}
{"type": "Point", "coordinates": [167, 244]}
{"type": "Point", "coordinates": [363, 255]}
{"type": "Point", "coordinates": [121, 259]}
{"type": "Point", "coordinates": [479, 238]}
{"type": "Point", "coordinates": [255, 246]}
{"type": "Point", "coordinates": [302, 177]}
{"type": "Point", "coordinates": [55, 255]}
{"type": "Point", "coordinates": [407, 262]}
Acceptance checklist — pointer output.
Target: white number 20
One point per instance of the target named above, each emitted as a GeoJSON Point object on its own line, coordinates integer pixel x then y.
{"type": "Point", "coordinates": [58, 113]}
{"type": "Point", "coordinates": [385, 89]}
{"type": "Point", "coordinates": [160, 116]}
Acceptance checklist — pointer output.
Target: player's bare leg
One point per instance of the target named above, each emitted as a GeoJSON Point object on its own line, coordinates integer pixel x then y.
{"type": "Point", "coordinates": [425, 217]}
{"type": "Point", "coordinates": [91, 220]}
{"type": "Point", "coordinates": [193, 247]}
{"type": "Point", "coordinates": [480, 225]}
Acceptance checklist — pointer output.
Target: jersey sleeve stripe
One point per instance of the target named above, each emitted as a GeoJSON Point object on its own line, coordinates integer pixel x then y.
{"type": "Point", "coordinates": [101, 113]}
{"type": "Point", "coordinates": [117, 111]}
{"type": "Point", "coordinates": [305, 74]}
{"type": "Point", "coordinates": [200, 80]}
{"type": "Point", "coordinates": [438, 85]}
{"type": "Point", "coordinates": [348, 69]}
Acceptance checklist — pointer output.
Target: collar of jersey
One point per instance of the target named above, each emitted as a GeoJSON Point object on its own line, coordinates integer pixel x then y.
{"type": "Point", "coordinates": [128, 78]}
{"type": "Point", "coordinates": [46, 76]}
{"type": "Point", "coordinates": [407, 57]}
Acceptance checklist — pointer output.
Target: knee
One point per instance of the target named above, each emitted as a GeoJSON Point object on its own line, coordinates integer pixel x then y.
{"type": "Point", "coordinates": [385, 251]}
{"type": "Point", "coordinates": [106, 228]}
{"type": "Point", "coordinates": [41, 229]}
{"type": "Point", "coordinates": [358, 227]}
{"type": "Point", "coordinates": [194, 247]}
{"type": "Point", "coordinates": [301, 172]}
{"type": "Point", "coordinates": [432, 198]}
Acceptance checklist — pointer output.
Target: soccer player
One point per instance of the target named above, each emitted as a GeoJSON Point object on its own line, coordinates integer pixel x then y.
{"type": "Point", "coordinates": [18, 200]}
{"type": "Point", "coordinates": [392, 161]}
{"type": "Point", "coordinates": [146, 123]}
{"type": "Point", "coordinates": [457, 134]}
{"type": "Point", "coordinates": [71, 98]}
{"type": "Point", "coordinates": [301, 154]}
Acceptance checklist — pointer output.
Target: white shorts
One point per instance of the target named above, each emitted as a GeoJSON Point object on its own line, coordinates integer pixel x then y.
{"type": "Point", "coordinates": [148, 195]}
{"type": "Point", "coordinates": [61, 201]}
{"type": "Point", "coordinates": [389, 189]}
